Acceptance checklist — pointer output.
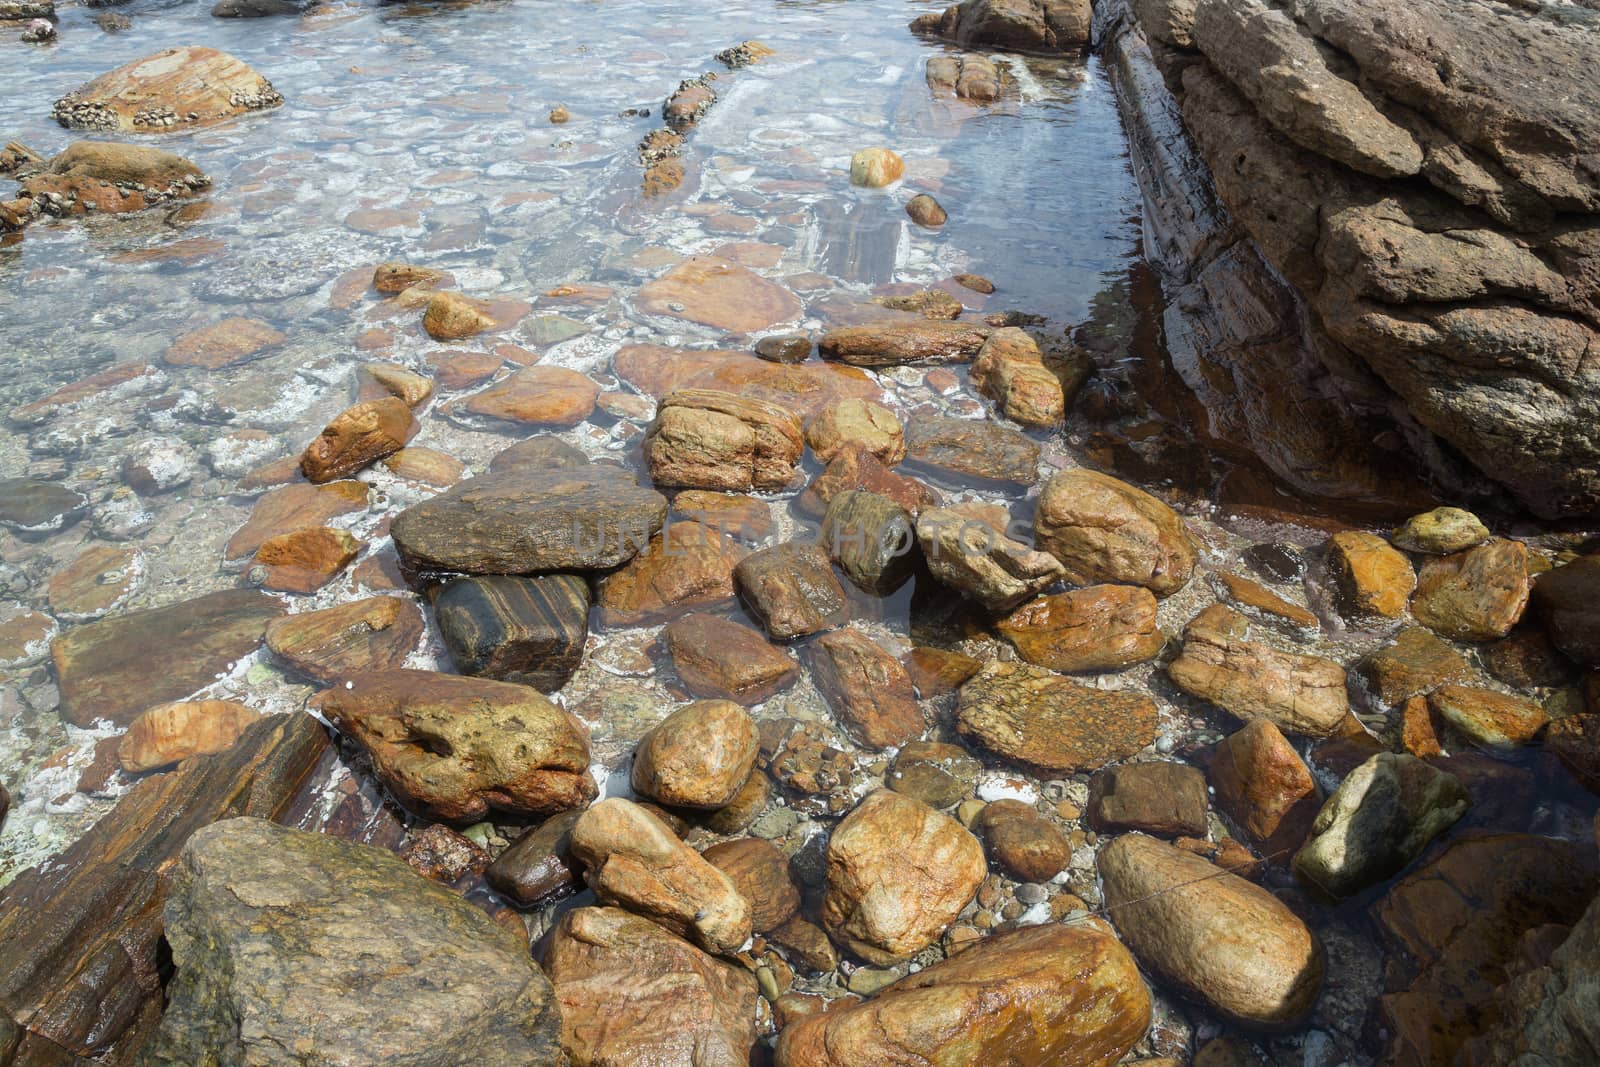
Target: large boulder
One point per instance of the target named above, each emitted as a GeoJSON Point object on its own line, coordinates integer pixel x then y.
{"type": "Point", "coordinates": [1105, 530]}
{"type": "Point", "coordinates": [178, 88]}
{"type": "Point", "coordinates": [1015, 25]}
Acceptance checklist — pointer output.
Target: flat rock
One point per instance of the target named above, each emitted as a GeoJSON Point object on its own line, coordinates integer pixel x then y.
{"type": "Point", "coordinates": [969, 448]}
{"type": "Point", "coordinates": [1475, 595]}
{"type": "Point", "coordinates": [1105, 530]}
{"type": "Point", "coordinates": [935, 773]}
{"type": "Point", "coordinates": [1492, 720]}
{"type": "Point", "coordinates": [708, 439]}
{"type": "Point", "coordinates": [100, 579]}
{"type": "Point", "coordinates": [791, 589]}
{"type": "Point", "coordinates": [974, 557]}
{"type": "Point", "coordinates": [856, 421]}
{"type": "Point", "coordinates": [537, 396]}
{"type": "Point", "coordinates": [357, 436]}
{"type": "Point", "coordinates": [1413, 664]}
{"type": "Point", "coordinates": [805, 388]}
{"type": "Point", "coordinates": [294, 507]}
{"type": "Point", "coordinates": [719, 294]}
{"type": "Point", "coordinates": [169, 733]}
{"type": "Point", "coordinates": [697, 757]}
{"type": "Point", "coordinates": [1050, 723]}
{"type": "Point", "coordinates": [855, 468]}
{"type": "Point", "coordinates": [33, 508]}
{"type": "Point", "coordinates": [899, 341]}
{"type": "Point", "coordinates": [722, 659]}
{"type": "Point", "coordinates": [1102, 627]}
{"type": "Point", "coordinates": [1013, 25]}
{"type": "Point", "coordinates": [1263, 785]}
{"type": "Point", "coordinates": [178, 88]}
{"type": "Point", "coordinates": [377, 633]}
{"type": "Point", "coordinates": [527, 630]}
{"type": "Point", "coordinates": [222, 344]}
{"type": "Point", "coordinates": [1165, 799]}
{"type": "Point", "coordinates": [303, 561]}
{"type": "Point", "coordinates": [867, 688]}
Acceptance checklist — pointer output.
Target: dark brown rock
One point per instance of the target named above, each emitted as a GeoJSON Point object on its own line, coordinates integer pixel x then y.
{"type": "Point", "coordinates": [761, 874]}
{"type": "Point", "coordinates": [792, 590]}
{"type": "Point", "coordinates": [527, 630]}
{"type": "Point", "coordinates": [539, 865]}
{"type": "Point", "coordinates": [1164, 799]}
{"type": "Point", "coordinates": [718, 658]}
{"type": "Point", "coordinates": [1025, 844]}
{"type": "Point", "coordinates": [970, 448]}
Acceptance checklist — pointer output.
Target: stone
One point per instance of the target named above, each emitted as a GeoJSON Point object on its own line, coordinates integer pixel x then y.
{"type": "Point", "coordinates": [686, 566]}
{"type": "Point", "coordinates": [118, 667]}
{"type": "Point", "coordinates": [785, 348]}
{"type": "Point", "coordinates": [538, 396]}
{"type": "Point", "coordinates": [723, 660]}
{"type": "Point", "coordinates": [897, 341]}
{"type": "Point", "coordinates": [1568, 597]}
{"type": "Point", "coordinates": [454, 748]}
{"type": "Point", "coordinates": [425, 466]}
{"type": "Point", "coordinates": [1221, 941]}
{"type": "Point", "coordinates": [925, 211]}
{"type": "Point", "coordinates": [937, 774]}
{"type": "Point", "coordinates": [1010, 370]}
{"type": "Point", "coordinates": [791, 590]}
{"type": "Point", "coordinates": [101, 578]}
{"type": "Point", "coordinates": [1164, 799]}
{"type": "Point", "coordinates": [294, 507]}
{"type": "Point", "coordinates": [25, 637]}
{"type": "Point", "coordinates": [936, 671]}
{"type": "Point", "coordinates": [697, 757]}
{"type": "Point", "coordinates": [450, 316]}
{"type": "Point", "coordinates": [1276, 562]}
{"type": "Point", "coordinates": [358, 436]}
{"type": "Point", "coordinates": [1025, 844]}
{"type": "Point", "coordinates": [373, 634]}
{"type": "Point", "coordinates": [1265, 788]}
{"type": "Point", "coordinates": [1496, 721]}
{"type": "Point", "coordinates": [854, 421]}
{"type": "Point", "coordinates": [107, 178]}
{"type": "Point", "coordinates": [1417, 735]}
{"type": "Point", "coordinates": [877, 905]}
{"type": "Point", "coordinates": [872, 540]}
{"type": "Point", "coordinates": [374, 381]}
{"type": "Point", "coordinates": [744, 518]}
{"type": "Point", "coordinates": [1441, 532]}
{"type": "Point", "coordinates": [1575, 741]}
{"type": "Point", "coordinates": [539, 451]}
{"type": "Point", "coordinates": [761, 874]}
{"type": "Point", "coordinates": [526, 520]}
{"type": "Point", "coordinates": [170, 733]}
{"type": "Point", "coordinates": [176, 88]}
{"type": "Point", "coordinates": [1475, 595]}
{"type": "Point", "coordinates": [720, 294]}
{"type": "Point", "coordinates": [707, 439]}
{"type": "Point", "coordinates": [395, 277]}
{"type": "Point", "coordinates": [303, 561]}
{"type": "Point", "coordinates": [526, 630]}
{"type": "Point", "coordinates": [853, 467]}
{"type": "Point", "coordinates": [285, 929]}
{"type": "Point", "coordinates": [804, 388]}
{"type": "Point", "coordinates": [463, 370]}
{"type": "Point", "coordinates": [32, 508]}
{"type": "Point", "coordinates": [874, 168]}
{"type": "Point", "coordinates": [867, 689]}
{"type": "Point", "coordinates": [439, 853]}
{"type": "Point", "coordinates": [1298, 693]}
{"type": "Point", "coordinates": [1105, 530]}
{"type": "Point", "coordinates": [1527, 658]}
{"type": "Point", "coordinates": [633, 858]}
{"type": "Point", "coordinates": [1052, 724]}
{"type": "Point", "coordinates": [1413, 664]}
{"type": "Point", "coordinates": [1379, 819]}
{"type": "Point", "coordinates": [1037, 995]}
{"type": "Point", "coordinates": [159, 465]}
{"type": "Point", "coordinates": [632, 995]}
{"type": "Point", "coordinates": [1372, 577]}
{"type": "Point", "coordinates": [1257, 601]}
{"type": "Point", "coordinates": [972, 556]}
{"type": "Point", "coordinates": [1099, 628]}
{"type": "Point", "coordinates": [1013, 25]}
{"type": "Point", "coordinates": [539, 866]}
{"type": "Point", "coordinates": [233, 340]}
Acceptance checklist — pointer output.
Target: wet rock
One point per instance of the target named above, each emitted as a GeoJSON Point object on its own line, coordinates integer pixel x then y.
{"type": "Point", "coordinates": [632, 858]}
{"type": "Point", "coordinates": [1476, 595]}
{"type": "Point", "coordinates": [1228, 944]}
{"type": "Point", "coordinates": [1527, 658]}
{"type": "Point", "coordinates": [1276, 562]}
{"type": "Point", "coordinates": [453, 748]}
{"type": "Point", "coordinates": [1441, 532]}
{"type": "Point", "coordinates": [1413, 664]}
{"type": "Point", "coordinates": [463, 370]}
{"type": "Point", "coordinates": [450, 316]}
{"type": "Point", "coordinates": [1297, 693]}
{"type": "Point", "coordinates": [721, 659]}
{"type": "Point", "coordinates": [439, 853]}
{"type": "Point", "coordinates": [1164, 799]}
{"type": "Point", "coordinates": [804, 388]}
{"type": "Point", "coordinates": [972, 449]}
{"type": "Point", "coordinates": [186, 87]}
{"type": "Point", "coordinates": [1010, 370]}
{"type": "Point", "coordinates": [396, 277]}
{"type": "Point", "coordinates": [689, 102]}
{"type": "Point", "coordinates": [982, 562]}
{"type": "Point", "coordinates": [100, 579]}
{"type": "Point", "coordinates": [159, 465]}
{"type": "Point", "coordinates": [526, 520]}
{"type": "Point", "coordinates": [166, 734]}
{"type": "Point", "coordinates": [294, 507]}
{"type": "Point", "coordinates": [357, 436]}
{"type": "Point", "coordinates": [1379, 819]}
{"type": "Point", "coordinates": [285, 929]}
{"type": "Point", "coordinates": [1013, 25]}
{"type": "Point", "coordinates": [742, 517]}
{"type": "Point", "coordinates": [854, 467]}
{"type": "Point", "coordinates": [425, 466]}
{"type": "Point", "coordinates": [791, 590]}
{"type": "Point", "coordinates": [1044, 994]}
{"type": "Point", "coordinates": [937, 774]}
{"type": "Point", "coordinates": [871, 538]}
{"type": "Point", "coordinates": [526, 630]}
{"type": "Point", "coordinates": [761, 874]}
{"type": "Point", "coordinates": [1049, 723]}
{"type": "Point", "coordinates": [684, 567]}
{"type": "Point", "coordinates": [1575, 740]}
{"type": "Point", "coordinates": [1372, 577]}
{"type": "Point", "coordinates": [924, 210]}
{"type": "Point", "coordinates": [875, 168]}
{"type": "Point", "coordinates": [1569, 599]}
{"type": "Point", "coordinates": [116, 668]}
{"type": "Point", "coordinates": [785, 348]}
{"type": "Point", "coordinates": [1496, 721]}
{"type": "Point", "coordinates": [1259, 602]}
{"type": "Point", "coordinates": [1105, 530]}
{"type": "Point", "coordinates": [304, 561]}
{"type": "Point", "coordinates": [936, 671]}
{"type": "Point", "coordinates": [698, 757]}
{"type": "Point", "coordinates": [538, 396]}
{"type": "Point", "coordinates": [255, 9]}
{"type": "Point", "coordinates": [632, 995]}
{"type": "Point", "coordinates": [32, 509]}
{"type": "Point", "coordinates": [377, 633]}
{"type": "Point", "coordinates": [25, 638]}
{"type": "Point", "coordinates": [539, 865]}
{"type": "Point", "coordinates": [122, 516]}
{"type": "Point", "coordinates": [854, 421]}
{"type": "Point", "coordinates": [719, 294]}
{"type": "Point", "coordinates": [929, 303]}
{"type": "Point", "coordinates": [706, 439]}
{"type": "Point", "coordinates": [222, 344]}
{"type": "Point", "coordinates": [877, 905]}
{"type": "Point", "coordinates": [1102, 627]}
{"type": "Point", "coordinates": [1025, 844]}
{"type": "Point", "coordinates": [869, 692]}
{"type": "Point", "coordinates": [540, 451]}
{"type": "Point", "coordinates": [1263, 785]}
{"type": "Point", "coordinates": [894, 342]}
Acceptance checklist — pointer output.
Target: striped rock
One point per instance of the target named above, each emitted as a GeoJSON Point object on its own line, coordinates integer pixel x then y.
{"type": "Point", "coordinates": [363, 635]}
{"type": "Point", "coordinates": [528, 630]}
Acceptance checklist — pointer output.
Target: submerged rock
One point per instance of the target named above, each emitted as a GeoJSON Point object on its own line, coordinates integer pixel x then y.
{"type": "Point", "coordinates": [1050, 723]}
{"type": "Point", "coordinates": [719, 294]}
{"type": "Point", "coordinates": [790, 588]}
{"type": "Point", "coordinates": [869, 691]}
{"type": "Point", "coordinates": [719, 658]}
{"type": "Point", "coordinates": [1102, 627]}
{"type": "Point", "coordinates": [180, 87]}
{"type": "Point", "coordinates": [972, 449]}
{"type": "Point", "coordinates": [364, 635]}
{"type": "Point", "coordinates": [170, 733]}
{"type": "Point", "coordinates": [871, 538]}
{"type": "Point", "coordinates": [1162, 798]}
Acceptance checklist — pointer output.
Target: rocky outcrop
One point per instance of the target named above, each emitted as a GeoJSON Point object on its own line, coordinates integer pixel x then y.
{"type": "Point", "coordinates": [1016, 25]}
{"type": "Point", "coordinates": [188, 87]}
{"type": "Point", "coordinates": [1372, 216]}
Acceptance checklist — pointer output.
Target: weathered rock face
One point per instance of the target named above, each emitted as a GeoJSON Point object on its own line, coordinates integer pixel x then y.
{"type": "Point", "coordinates": [179, 88]}
{"type": "Point", "coordinates": [452, 748]}
{"type": "Point", "coordinates": [697, 757]}
{"type": "Point", "coordinates": [887, 344]}
{"type": "Point", "coordinates": [633, 995]}
{"type": "Point", "coordinates": [1102, 627]}
{"type": "Point", "coordinates": [1015, 25]}
{"type": "Point", "coordinates": [707, 439]}
{"type": "Point", "coordinates": [1038, 995]}
{"type": "Point", "coordinates": [527, 630]}
{"type": "Point", "coordinates": [1105, 530]}
{"type": "Point", "coordinates": [1051, 723]}
{"type": "Point", "coordinates": [277, 934]}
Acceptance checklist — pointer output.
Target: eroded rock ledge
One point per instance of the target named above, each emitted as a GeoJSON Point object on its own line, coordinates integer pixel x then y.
{"type": "Point", "coordinates": [1373, 216]}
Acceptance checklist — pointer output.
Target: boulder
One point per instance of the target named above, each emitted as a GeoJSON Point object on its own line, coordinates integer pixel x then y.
{"type": "Point", "coordinates": [722, 659]}
{"type": "Point", "coordinates": [1105, 530]}
{"type": "Point", "coordinates": [706, 439]}
{"type": "Point", "coordinates": [1263, 785]}
{"type": "Point", "coordinates": [972, 556]}
{"type": "Point", "coordinates": [686, 566]}
{"type": "Point", "coordinates": [1475, 595]}
{"type": "Point", "coordinates": [377, 633]}
{"type": "Point", "coordinates": [760, 871]}
{"type": "Point", "coordinates": [1010, 370]}
{"type": "Point", "coordinates": [450, 316]}
{"type": "Point", "coordinates": [1051, 724]}
{"type": "Point", "coordinates": [527, 630]}
{"type": "Point", "coordinates": [357, 436]}
{"type": "Point", "coordinates": [177, 88]}
{"type": "Point", "coordinates": [872, 540]}
{"type": "Point", "coordinates": [923, 209]}
{"type": "Point", "coordinates": [791, 590]}
{"type": "Point", "coordinates": [1022, 842]}
{"type": "Point", "coordinates": [109, 178]}
{"type": "Point", "coordinates": [170, 733]}
{"type": "Point", "coordinates": [539, 866]}
{"type": "Point", "coordinates": [697, 757]}
{"type": "Point", "coordinates": [867, 688]}
{"type": "Point", "coordinates": [972, 450]}
{"type": "Point", "coordinates": [1013, 25]}
{"type": "Point", "coordinates": [855, 468]}
{"type": "Point", "coordinates": [1099, 628]}
{"type": "Point", "coordinates": [1165, 799]}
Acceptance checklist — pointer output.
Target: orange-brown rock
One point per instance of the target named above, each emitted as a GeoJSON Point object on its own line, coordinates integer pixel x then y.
{"type": "Point", "coordinates": [1476, 595]}
{"type": "Point", "coordinates": [1025, 844]}
{"type": "Point", "coordinates": [854, 421]}
{"type": "Point", "coordinates": [1102, 627]}
{"type": "Point", "coordinates": [697, 757]}
{"type": "Point", "coordinates": [463, 370]}
{"type": "Point", "coordinates": [1263, 785]}
{"type": "Point", "coordinates": [394, 277]}
{"type": "Point", "coordinates": [876, 167]}
{"type": "Point", "coordinates": [760, 871]}
{"type": "Point", "coordinates": [294, 507]}
{"type": "Point", "coordinates": [177, 88]}
{"type": "Point", "coordinates": [538, 396]}
{"type": "Point", "coordinates": [745, 518]}
{"type": "Point", "coordinates": [1490, 719]}
{"type": "Point", "coordinates": [855, 468]}
{"type": "Point", "coordinates": [707, 439]}
{"type": "Point", "coordinates": [893, 342]}
{"type": "Point", "coordinates": [684, 567]}
{"type": "Point", "coordinates": [304, 561]}
{"type": "Point", "coordinates": [1413, 664]}
{"type": "Point", "coordinates": [718, 658]}
{"type": "Point", "coordinates": [450, 316]}
{"type": "Point", "coordinates": [425, 466]}
{"type": "Point", "coordinates": [869, 691]}
{"type": "Point", "coordinates": [719, 294]}
{"type": "Point", "coordinates": [936, 671]}
{"type": "Point", "coordinates": [357, 436]}
{"type": "Point", "coordinates": [804, 389]}
{"type": "Point", "coordinates": [1417, 735]}
{"type": "Point", "coordinates": [233, 340]}
{"type": "Point", "coordinates": [101, 578]}
{"type": "Point", "coordinates": [170, 733]}
{"type": "Point", "coordinates": [1253, 598]}
{"type": "Point", "coordinates": [1372, 576]}
{"type": "Point", "coordinates": [377, 633]}
{"type": "Point", "coordinates": [1050, 723]}
{"type": "Point", "coordinates": [791, 590]}
{"type": "Point", "coordinates": [374, 381]}
{"type": "Point", "coordinates": [1010, 370]}
{"type": "Point", "coordinates": [1105, 530]}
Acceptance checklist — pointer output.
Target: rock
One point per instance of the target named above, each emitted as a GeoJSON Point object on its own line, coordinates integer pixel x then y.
{"type": "Point", "coordinates": [1164, 799]}
{"type": "Point", "coordinates": [707, 439]}
{"type": "Point", "coordinates": [33, 509]}
{"type": "Point", "coordinates": [538, 396]}
{"type": "Point", "coordinates": [1276, 562]}
{"type": "Point", "coordinates": [539, 865]}
{"type": "Point", "coordinates": [631, 857]}
{"type": "Point", "coordinates": [875, 168]}
{"type": "Point", "coordinates": [1372, 577]}
{"type": "Point", "coordinates": [1228, 944]}
{"type": "Point", "coordinates": [698, 757]}
{"type": "Point", "coordinates": [304, 561]}
{"type": "Point", "coordinates": [526, 630]}
{"type": "Point", "coordinates": [285, 929]}
{"type": "Point", "coordinates": [439, 853]}
{"type": "Point", "coordinates": [1257, 601]}
{"type": "Point", "coordinates": [721, 659]}
{"type": "Point", "coordinates": [170, 733]}
{"type": "Point", "coordinates": [1025, 844]}
{"type": "Point", "coordinates": [791, 590]}
{"type": "Point", "coordinates": [877, 905]}
{"type": "Point", "coordinates": [937, 774]}
{"type": "Point", "coordinates": [1263, 785]}
{"type": "Point", "coordinates": [357, 436]}
{"type": "Point", "coordinates": [1476, 595]}
{"type": "Point", "coordinates": [684, 567]}
{"type": "Point", "coordinates": [395, 277]}
{"type": "Point", "coordinates": [25, 637]}
{"type": "Point", "coordinates": [1569, 599]}
{"type": "Point", "coordinates": [1496, 721]}
{"type": "Point", "coordinates": [1379, 819]}
{"type": "Point", "coordinates": [1575, 741]}
{"type": "Point", "coordinates": [689, 102]}
{"type": "Point", "coordinates": [853, 467]}
{"type": "Point", "coordinates": [868, 690]}
{"type": "Point", "coordinates": [854, 421]}
{"type": "Point", "coordinates": [1441, 532]}
{"type": "Point", "coordinates": [159, 465]}
{"type": "Point", "coordinates": [1105, 530]}
{"type": "Point", "coordinates": [972, 449]}
{"type": "Point", "coordinates": [100, 579]}
{"type": "Point", "coordinates": [744, 518]}
{"type": "Point", "coordinates": [1013, 25]}
{"type": "Point", "coordinates": [453, 748]}
{"type": "Point", "coordinates": [180, 87]}
{"type": "Point", "coordinates": [1010, 370]}
{"type": "Point", "coordinates": [294, 507]}
{"type": "Point", "coordinates": [982, 562]}
{"type": "Point", "coordinates": [1413, 664]}
{"type": "Point", "coordinates": [633, 995]}
{"type": "Point", "coordinates": [804, 389]}
{"type": "Point", "coordinates": [118, 667]}
{"type": "Point", "coordinates": [377, 633]}
{"type": "Point", "coordinates": [540, 451]}
{"type": "Point", "coordinates": [785, 348]}
{"type": "Point", "coordinates": [761, 874]}
{"type": "Point", "coordinates": [719, 294]}
{"type": "Point", "coordinates": [425, 466]}
{"type": "Point", "coordinates": [924, 210]}
{"type": "Point", "coordinates": [253, 9]}
{"type": "Point", "coordinates": [450, 316]}
{"type": "Point", "coordinates": [1297, 693]}
{"type": "Point", "coordinates": [1051, 724]}
{"type": "Point", "coordinates": [1102, 627]}
{"type": "Point", "coordinates": [222, 344]}
{"type": "Point", "coordinates": [896, 341]}
{"type": "Point", "coordinates": [871, 538]}
{"type": "Point", "coordinates": [1038, 995]}
{"type": "Point", "coordinates": [524, 520]}
{"type": "Point", "coordinates": [1526, 658]}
